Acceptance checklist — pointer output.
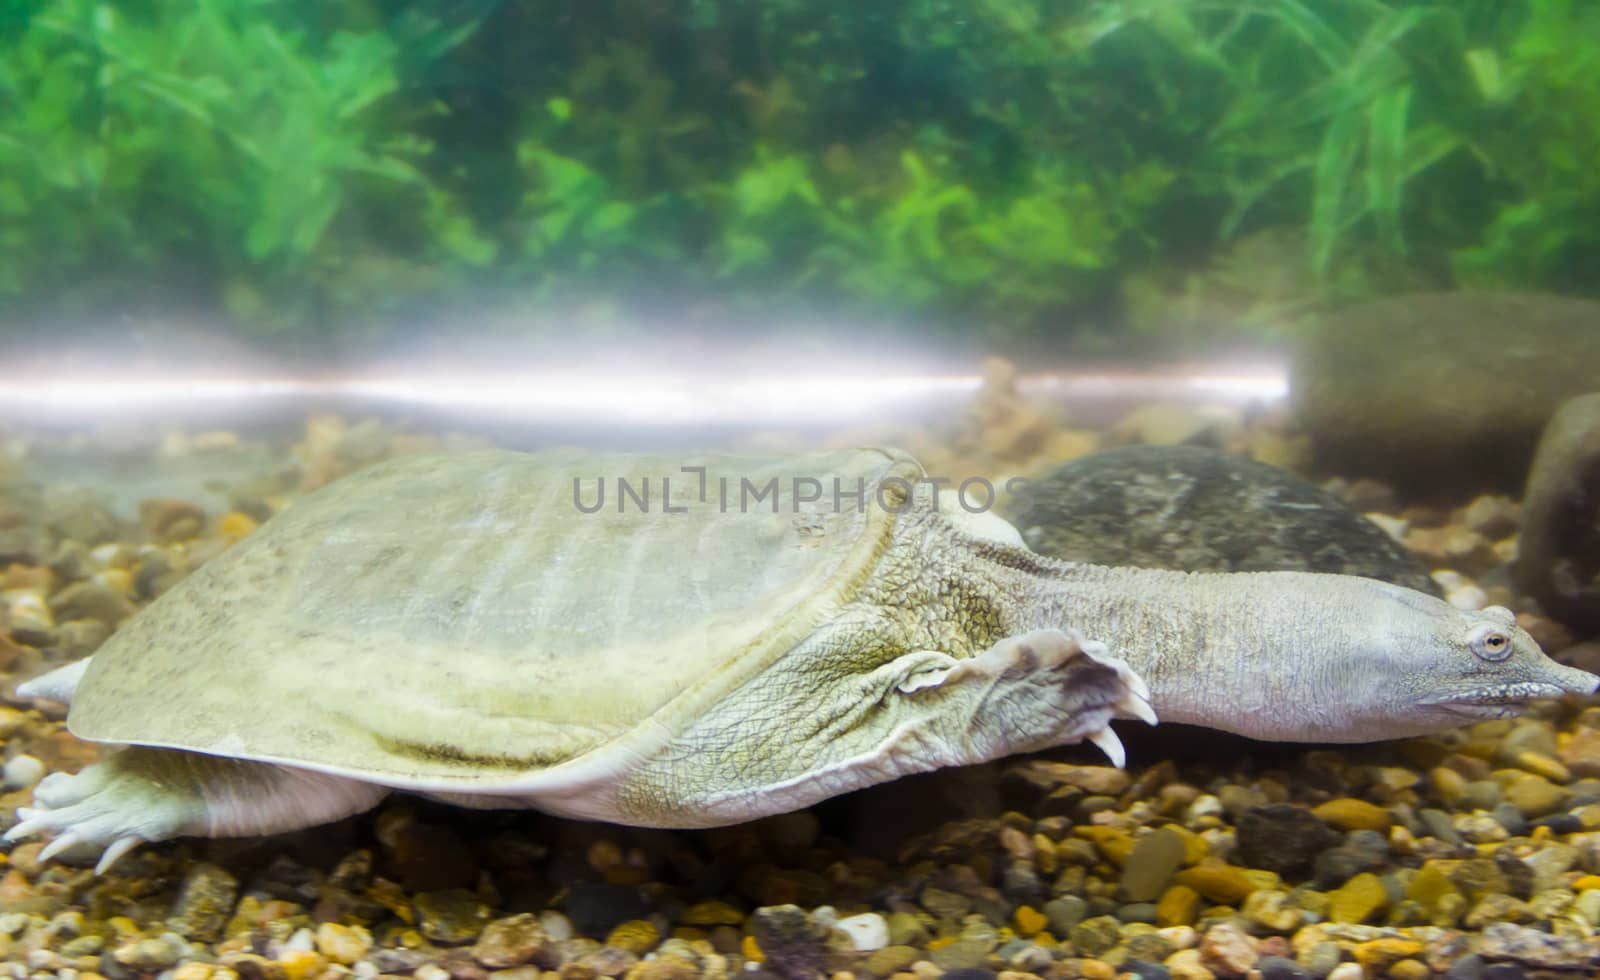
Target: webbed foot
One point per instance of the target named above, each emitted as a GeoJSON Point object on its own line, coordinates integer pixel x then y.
{"type": "Point", "coordinates": [139, 794]}
{"type": "Point", "coordinates": [1043, 688]}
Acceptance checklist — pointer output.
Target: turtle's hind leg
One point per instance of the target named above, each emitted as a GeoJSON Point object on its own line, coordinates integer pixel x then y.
{"type": "Point", "coordinates": [140, 794]}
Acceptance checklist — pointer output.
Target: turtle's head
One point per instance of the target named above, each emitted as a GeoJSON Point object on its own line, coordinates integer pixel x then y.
{"type": "Point", "coordinates": [1415, 664]}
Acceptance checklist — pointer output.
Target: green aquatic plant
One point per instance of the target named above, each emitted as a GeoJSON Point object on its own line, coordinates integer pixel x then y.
{"type": "Point", "coordinates": [1015, 164]}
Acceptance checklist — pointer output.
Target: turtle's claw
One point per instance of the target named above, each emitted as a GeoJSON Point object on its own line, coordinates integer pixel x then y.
{"type": "Point", "coordinates": [1111, 745]}
{"type": "Point", "coordinates": [119, 847]}
{"type": "Point", "coordinates": [59, 844]}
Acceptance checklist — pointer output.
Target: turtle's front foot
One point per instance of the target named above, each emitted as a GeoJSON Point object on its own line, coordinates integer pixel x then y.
{"type": "Point", "coordinates": [142, 794]}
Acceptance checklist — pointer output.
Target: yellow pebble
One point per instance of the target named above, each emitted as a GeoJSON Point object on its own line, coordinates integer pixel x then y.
{"type": "Point", "coordinates": [1449, 784]}
{"type": "Point", "coordinates": [1029, 920]}
{"type": "Point", "coordinates": [1114, 842]}
{"type": "Point", "coordinates": [1096, 970]}
{"type": "Point", "coordinates": [1410, 970]}
{"type": "Point", "coordinates": [1195, 847]}
{"type": "Point", "coordinates": [1378, 954]}
{"type": "Point", "coordinates": [1430, 884]}
{"type": "Point", "coordinates": [1217, 882]}
{"type": "Point", "coordinates": [1356, 899]}
{"type": "Point", "coordinates": [1348, 813]}
{"type": "Point", "coordinates": [234, 525]}
{"type": "Point", "coordinates": [712, 914]}
{"type": "Point", "coordinates": [637, 936]}
{"type": "Point", "coordinates": [119, 580]}
{"type": "Point", "coordinates": [752, 950]}
{"type": "Point", "coordinates": [1177, 906]}
{"type": "Point", "coordinates": [299, 964]}
{"type": "Point", "coordinates": [1586, 882]}
{"type": "Point", "coordinates": [1543, 765]}
{"type": "Point", "coordinates": [192, 971]}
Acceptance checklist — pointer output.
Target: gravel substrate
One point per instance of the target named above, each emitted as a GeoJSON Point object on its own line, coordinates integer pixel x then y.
{"type": "Point", "coordinates": [1471, 854]}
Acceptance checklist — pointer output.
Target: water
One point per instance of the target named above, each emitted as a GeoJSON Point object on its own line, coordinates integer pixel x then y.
{"type": "Point", "coordinates": [249, 249]}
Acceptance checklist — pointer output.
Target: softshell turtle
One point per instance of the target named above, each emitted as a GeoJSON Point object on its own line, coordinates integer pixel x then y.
{"type": "Point", "coordinates": [690, 642]}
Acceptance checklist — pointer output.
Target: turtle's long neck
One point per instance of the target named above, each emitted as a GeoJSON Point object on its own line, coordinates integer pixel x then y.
{"type": "Point", "coordinates": [1209, 645]}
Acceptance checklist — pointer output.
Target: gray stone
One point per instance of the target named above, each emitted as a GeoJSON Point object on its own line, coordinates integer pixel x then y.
{"type": "Point", "coordinates": [794, 944]}
{"type": "Point", "coordinates": [1443, 391]}
{"type": "Point", "coordinates": [1193, 509]}
{"type": "Point", "coordinates": [1558, 559]}
{"type": "Point", "coordinates": [1151, 864]}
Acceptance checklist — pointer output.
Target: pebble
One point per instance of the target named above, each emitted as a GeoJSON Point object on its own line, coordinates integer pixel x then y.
{"type": "Point", "coordinates": [1186, 965]}
{"type": "Point", "coordinates": [343, 944]}
{"type": "Point", "coordinates": [1282, 837]}
{"type": "Point", "coordinates": [150, 954]}
{"type": "Point", "coordinates": [1150, 865]}
{"type": "Point", "coordinates": [1357, 899]}
{"type": "Point", "coordinates": [637, 936]}
{"type": "Point", "coordinates": [451, 916]}
{"type": "Point", "coordinates": [1227, 950]}
{"type": "Point", "coordinates": [1347, 813]}
{"type": "Point", "coordinates": [868, 931]}
{"type": "Point", "coordinates": [204, 904]}
{"type": "Point", "coordinates": [1094, 936]}
{"type": "Point", "coordinates": [1218, 882]}
{"type": "Point", "coordinates": [510, 941]}
{"type": "Point", "coordinates": [21, 772]}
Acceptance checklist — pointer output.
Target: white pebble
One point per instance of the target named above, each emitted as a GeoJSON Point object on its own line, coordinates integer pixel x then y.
{"type": "Point", "coordinates": [1468, 597]}
{"type": "Point", "coordinates": [1204, 805]}
{"type": "Point", "coordinates": [431, 971]}
{"type": "Point", "coordinates": [557, 926]}
{"type": "Point", "coordinates": [304, 940]}
{"type": "Point", "coordinates": [41, 959]}
{"type": "Point", "coordinates": [21, 772]}
{"type": "Point", "coordinates": [365, 969]}
{"type": "Point", "coordinates": [1347, 971]}
{"type": "Point", "coordinates": [868, 931]}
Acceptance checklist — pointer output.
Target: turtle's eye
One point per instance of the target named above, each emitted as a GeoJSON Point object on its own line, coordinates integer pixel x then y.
{"type": "Point", "coordinates": [1490, 643]}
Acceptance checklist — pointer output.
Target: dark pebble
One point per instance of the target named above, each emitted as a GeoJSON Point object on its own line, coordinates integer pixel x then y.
{"type": "Point", "coordinates": [1560, 823]}
{"type": "Point", "coordinates": [1503, 971]}
{"type": "Point", "coordinates": [1282, 838]}
{"type": "Point", "coordinates": [968, 973]}
{"type": "Point", "coordinates": [1469, 967]}
{"type": "Point", "coordinates": [1279, 968]}
{"type": "Point", "coordinates": [1362, 850]}
{"type": "Point", "coordinates": [1144, 970]}
{"type": "Point", "coordinates": [1020, 884]}
{"type": "Point", "coordinates": [1519, 877]}
{"type": "Point", "coordinates": [596, 908]}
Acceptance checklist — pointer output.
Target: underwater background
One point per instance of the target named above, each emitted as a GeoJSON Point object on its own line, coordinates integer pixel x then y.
{"type": "Point", "coordinates": [1231, 285]}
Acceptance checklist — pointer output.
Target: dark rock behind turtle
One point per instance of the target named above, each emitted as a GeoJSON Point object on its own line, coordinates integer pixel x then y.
{"type": "Point", "coordinates": [1443, 392]}
{"type": "Point", "coordinates": [1559, 551]}
{"type": "Point", "coordinates": [1195, 509]}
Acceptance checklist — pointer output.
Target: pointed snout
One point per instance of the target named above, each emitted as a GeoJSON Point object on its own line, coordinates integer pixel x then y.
{"type": "Point", "coordinates": [1571, 679]}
